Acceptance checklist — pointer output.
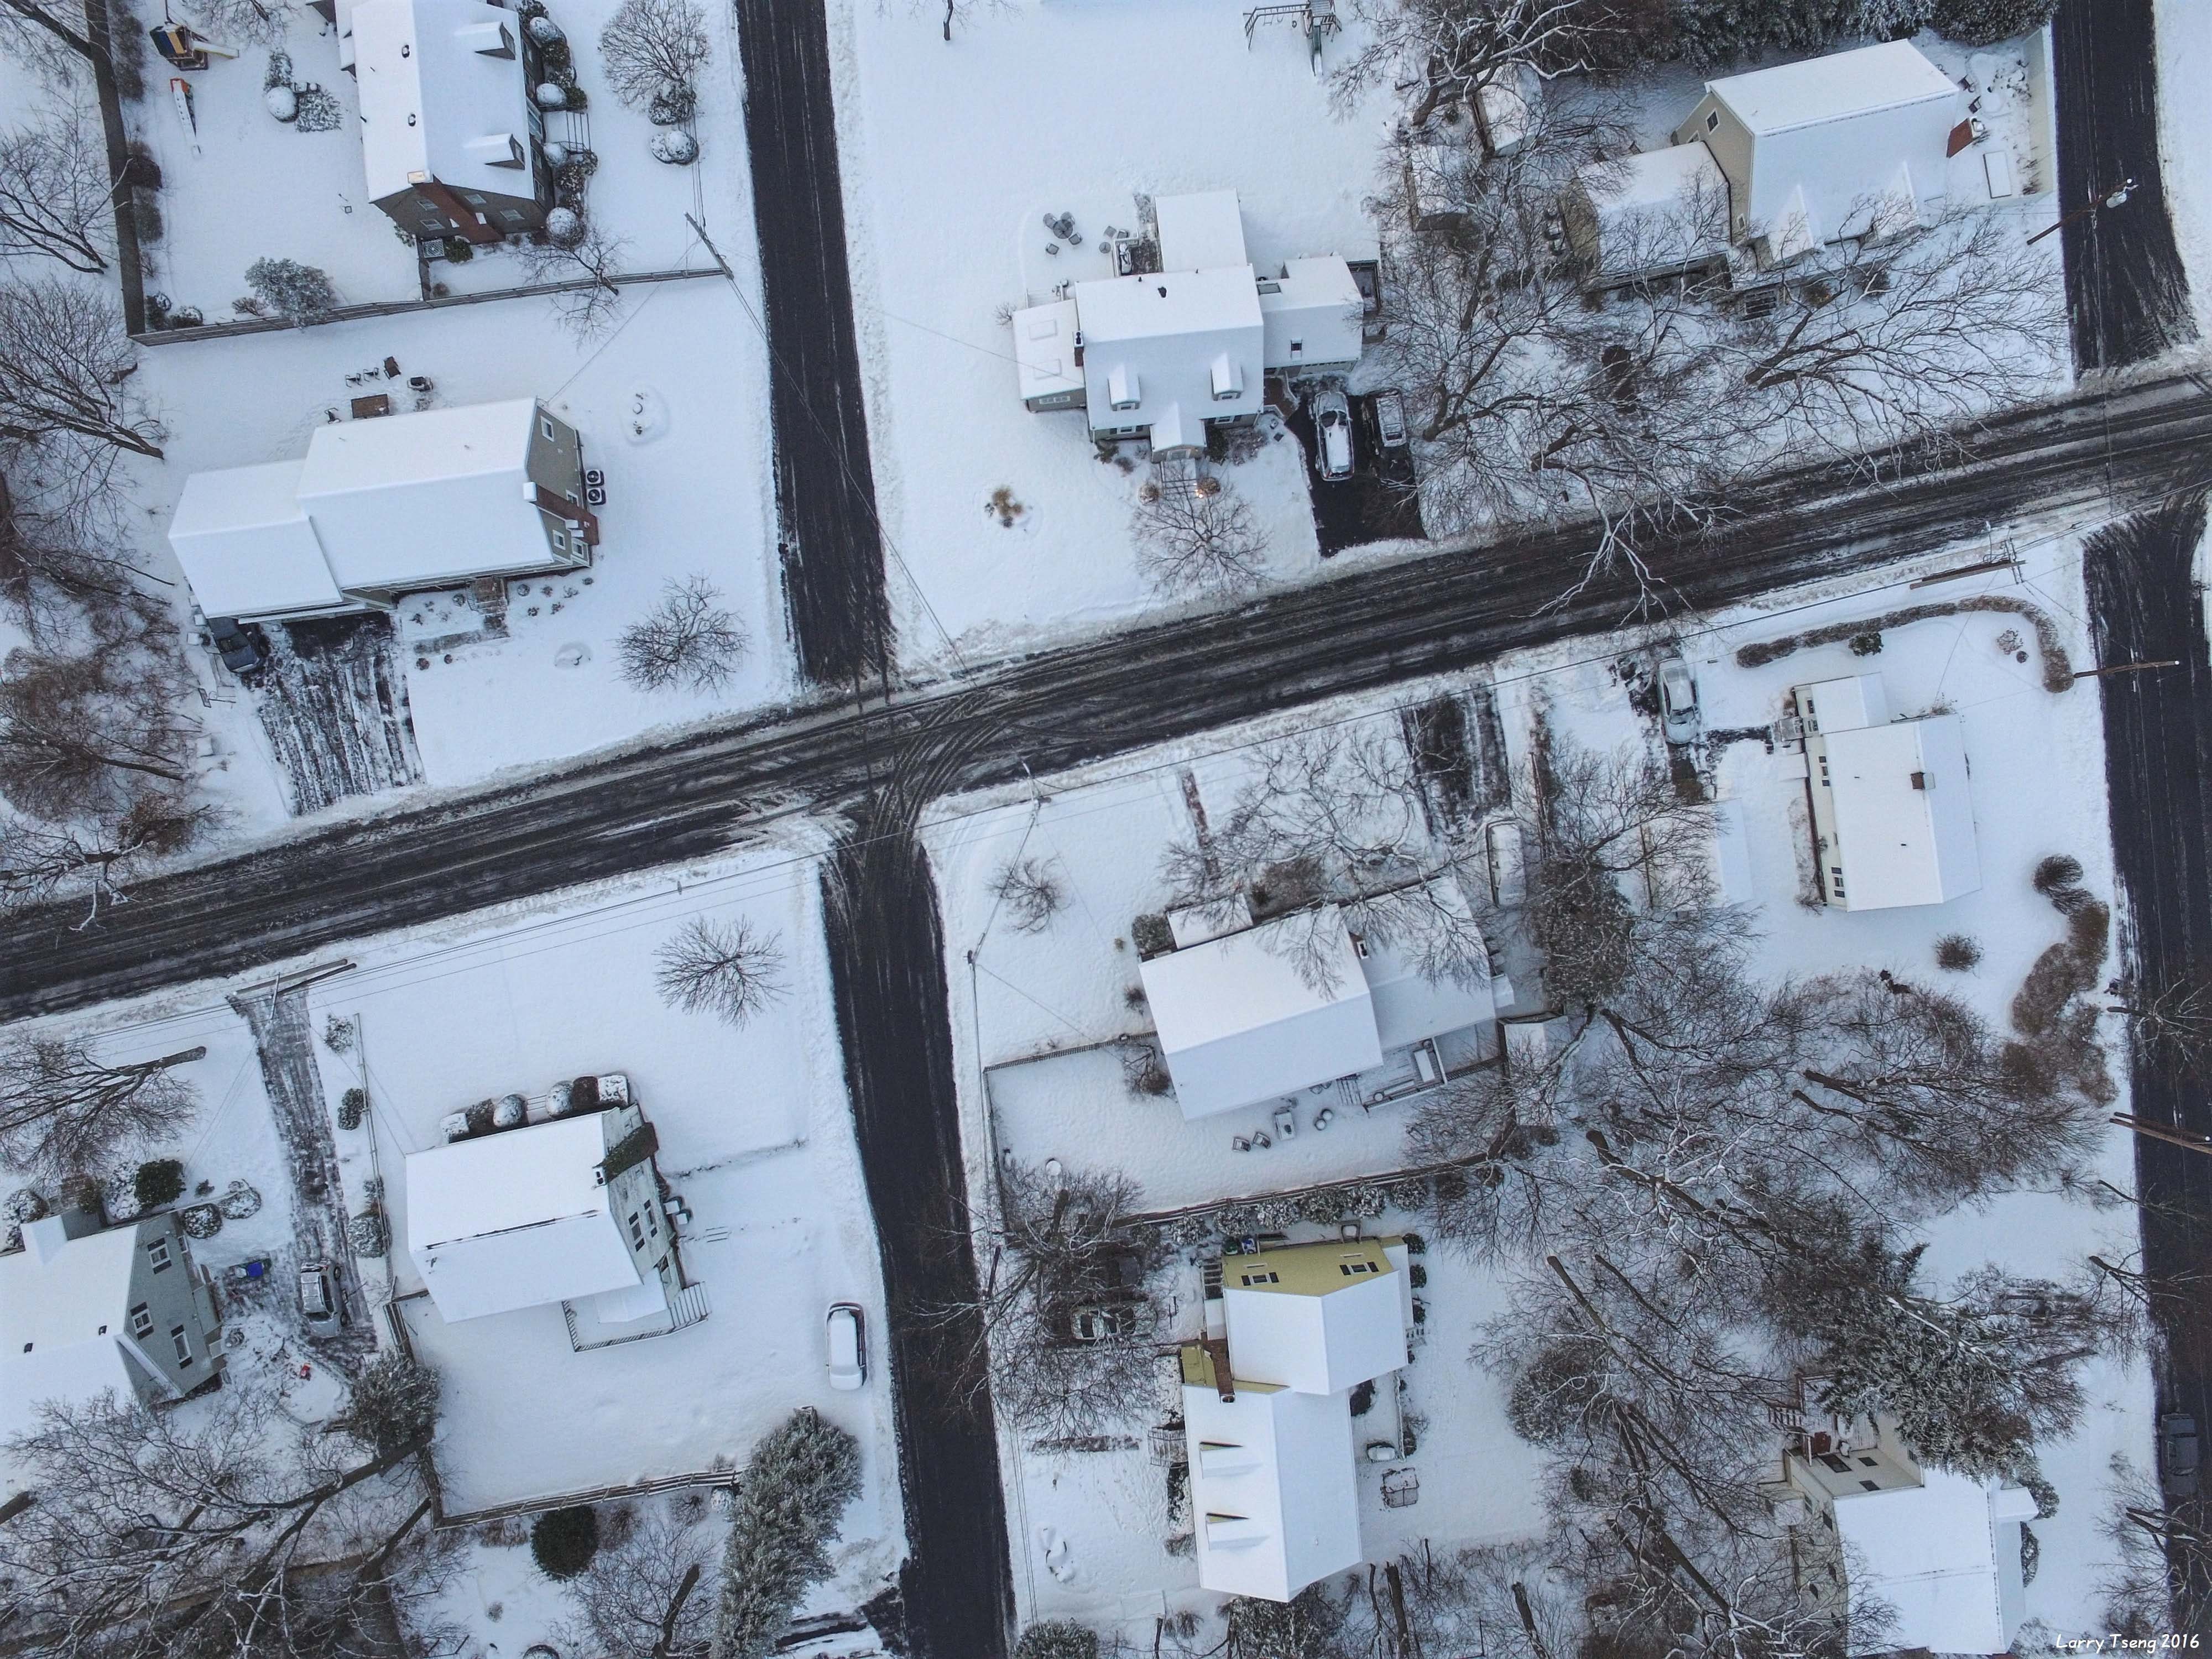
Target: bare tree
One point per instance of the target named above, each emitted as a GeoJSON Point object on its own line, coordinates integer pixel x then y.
{"type": "Point", "coordinates": [590, 269]}
{"type": "Point", "coordinates": [1198, 543]}
{"type": "Point", "coordinates": [93, 861]}
{"type": "Point", "coordinates": [1031, 891]}
{"type": "Point", "coordinates": [653, 49]}
{"type": "Point", "coordinates": [65, 367]}
{"type": "Point", "coordinates": [721, 968]}
{"type": "Point", "coordinates": [2172, 1020]}
{"type": "Point", "coordinates": [1455, 52]}
{"type": "Point", "coordinates": [687, 639]}
{"type": "Point", "coordinates": [1066, 1333]}
{"type": "Point", "coordinates": [643, 1597]}
{"type": "Point", "coordinates": [60, 560]}
{"type": "Point", "coordinates": [63, 1108]}
{"type": "Point", "coordinates": [251, 22]}
{"type": "Point", "coordinates": [56, 198]}
{"type": "Point", "coordinates": [86, 735]}
{"type": "Point", "coordinates": [955, 11]}
{"type": "Point", "coordinates": [171, 1535]}
{"type": "Point", "coordinates": [2160, 1582]}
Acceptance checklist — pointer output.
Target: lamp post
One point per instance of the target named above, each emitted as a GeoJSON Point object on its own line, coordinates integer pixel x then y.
{"type": "Point", "coordinates": [2111, 199]}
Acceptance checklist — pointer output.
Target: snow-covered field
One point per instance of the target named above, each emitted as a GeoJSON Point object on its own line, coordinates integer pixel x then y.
{"type": "Point", "coordinates": [2184, 62]}
{"type": "Point", "coordinates": [1089, 1529]}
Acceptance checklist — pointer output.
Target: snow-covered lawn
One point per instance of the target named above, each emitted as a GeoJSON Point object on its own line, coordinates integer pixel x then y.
{"type": "Point", "coordinates": [2184, 62]}
{"type": "Point", "coordinates": [756, 1135]}
{"type": "Point", "coordinates": [1090, 1529]}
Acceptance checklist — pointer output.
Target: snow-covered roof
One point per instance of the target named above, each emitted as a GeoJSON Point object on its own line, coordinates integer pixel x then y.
{"type": "Point", "coordinates": [1237, 1023]}
{"type": "Point", "coordinates": [1904, 813]}
{"type": "Point", "coordinates": [1841, 705]}
{"type": "Point", "coordinates": [1944, 1556]}
{"type": "Point", "coordinates": [1200, 231]}
{"type": "Point", "coordinates": [1837, 88]}
{"type": "Point", "coordinates": [443, 95]}
{"type": "Point", "coordinates": [1044, 349]}
{"type": "Point", "coordinates": [247, 545]}
{"type": "Point", "coordinates": [1317, 1318]}
{"type": "Point", "coordinates": [413, 497]}
{"type": "Point", "coordinates": [1657, 209]}
{"type": "Point", "coordinates": [1166, 303]}
{"type": "Point", "coordinates": [63, 1306]}
{"type": "Point", "coordinates": [1315, 305]}
{"type": "Point", "coordinates": [1409, 1007]}
{"type": "Point", "coordinates": [517, 1218]}
{"type": "Point", "coordinates": [1273, 1486]}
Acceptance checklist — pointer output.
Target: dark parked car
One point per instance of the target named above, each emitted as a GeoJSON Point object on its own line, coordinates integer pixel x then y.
{"type": "Point", "coordinates": [244, 647]}
{"type": "Point", "coordinates": [2177, 1454]}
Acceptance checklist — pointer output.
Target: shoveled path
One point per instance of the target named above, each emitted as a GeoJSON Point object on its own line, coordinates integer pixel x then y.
{"type": "Point", "coordinates": [1376, 627]}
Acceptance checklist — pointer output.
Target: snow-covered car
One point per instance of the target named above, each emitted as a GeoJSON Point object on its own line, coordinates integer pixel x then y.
{"type": "Point", "coordinates": [317, 1300]}
{"type": "Point", "coordinates": [1099, 1323]}
{"type": "Point", "coordinates": [244, 647]}
{"type": "Point", "coordinates": [1390, 420]}
{"type": "Point", "coordinates": [1333, 424]}
{"type": "Point", "coordinates": [1508, 884]}
{"type": "Point", "coordinates": [1678, 701]}
{"type": "Point", "coordinates": [848, 1346]}
{"type": "Point", "coordinates": [2177, 1454]}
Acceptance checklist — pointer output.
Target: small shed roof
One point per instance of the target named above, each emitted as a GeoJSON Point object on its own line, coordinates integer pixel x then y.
{"type": "Point", "coordinates": [1200, 231]}
{"type": "Point", "coordinates": [1835, 87]}
{"type": "Point", "coordinates": [1841, 705]}
{"type": "Point", "coordinates": [247, 545]}
{"type": "Point", "coordinates": [1238, 1024]}
{"type": "Point", "coordinates": [517, 1218]}
{"type": "Point", "coordinates": [1044, 349]}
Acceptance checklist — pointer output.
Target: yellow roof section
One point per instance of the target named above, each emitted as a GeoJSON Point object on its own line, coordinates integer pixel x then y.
{"type": "Point", "coordinates": [1315, 1269]}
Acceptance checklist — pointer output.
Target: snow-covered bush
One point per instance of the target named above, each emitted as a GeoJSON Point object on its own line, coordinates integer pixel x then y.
{"type": "Point", "coordinates": [395, 1402]}
{"type": "Point", "coordinates": [1058, 1639]}
{"type": "Point", "coordinates": [368, 1234]}
{"type": "Point", "coordinates": [302, 294]}
{"type": "Point", "coordinates": [510, 1113]}
{"type": "Point", "coordinates": [200, 1220]}
{"type": "Point", "coordinates": [555, 152]}
{"type": "Point", "coordinates": [1985, 22]}
{"type": "Point", "coordinates": [551, 95]}
{"type": "Point", "coordinates": [158, 1182]}
{"type": "Point", "coordinates": [238, 1201]}
{"type": "Point", "coordinates": [676, 147]}
{"type": "Point", "coordinates": [319, 111]}
{"type": "Point", "coordinates": [23, 1205]}
{"type": "Point", "coordinates": [338, 1035]}
{"type": "Point", "coordinates": [801, 1477]}
{"type": "Point", "coordinates": [563, 1541]}
{"type": "Point", "coordinates": [351, 1105]}
{"type": "Point", "coordinates": [672, 107]}
{"type": "Point", "coordinates": [282, 102]}
{"type": "Point", "coordinates": [564, 227]}
{"type": "Point", "coordinates": [543, 30]}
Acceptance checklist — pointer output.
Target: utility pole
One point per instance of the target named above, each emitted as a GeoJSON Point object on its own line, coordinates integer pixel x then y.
{"type": "Point", "coordinates": [2124, 668]}
{"type": "Point", "coordinates": [2180, 1138]}
{"type": "Point", "coordinates": [2111, 199]}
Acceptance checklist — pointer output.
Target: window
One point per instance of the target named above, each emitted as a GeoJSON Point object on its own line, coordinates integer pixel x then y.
{"type": "Point", "coordinates": [1869, 1463]}
{"type": "Point", "coordinates": [157, 1252]}
{"type": "Point", "coordinates": [636, 1232]}
{"type": "Point", "coordinates": [1268, 1278]}
{"type": "Point", "coordinates": [434, 226]}
{"type": "Point", "coordinates": [184, 1344]}
{"type": "Point", "coordinates": [141, 1320]}
{"type": "Point", "coordinates": [1297, 346]}
{"type": "Point", "coordinates": [545, 425]}
{"type": "Point", "coordinates": [560, 542]}
{"type": "Point", "coordinates": [1871, 1485]}
{"type": "Point", "coordinates": [103, 1330]}
{"type": "Point", "coordinates": [1712, 120]}
{"type": "Point", "coordinates": [472, 198]}
{"type": "Point", "coordinates": [510, 216]}
{"type": "Point", "coordinates": [27, 1347]}
{"type": "Point", "coordinates": [1354, 1269]}
{"type": "Point", "coordinates": [1841, 1466]}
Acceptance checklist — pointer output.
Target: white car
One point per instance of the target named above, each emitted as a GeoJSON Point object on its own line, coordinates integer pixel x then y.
{"type": "Point", "coordinates": [848, 1346]}
{"type": "Point", "coordinates": [1678, 701]}
{"type": "Point", "coordinates": [1332, 423]}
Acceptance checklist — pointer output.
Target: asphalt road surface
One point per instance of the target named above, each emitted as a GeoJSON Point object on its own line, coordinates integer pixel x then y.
{"type": "Point", "coordinates": [832, 553]}
{"type": "Point", "coordinates": [2126, 289]}
{"type": "Point", "coordinates": [2145, 606]}
{"type": "Point", "coordinates": [708, 789]}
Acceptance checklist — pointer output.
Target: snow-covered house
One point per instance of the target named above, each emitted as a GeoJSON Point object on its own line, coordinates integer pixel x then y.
{"type": "Point", "coordinates": [1246, 1013]}
{"type": "Point", "coordinates": [85, 1310]}
{"type": "Point", "coordinates": [565, 1211]}
{"type": "Point", "coordinates": [1162, 355]}
{"type": "Point", "coordinates": [450, 132]}
{"type": "Point", "coordinates": [1662, 213]}
{"type": "Point", "coordinates": [1268, 1410]}
{"type": "Point", "coordinates": [1843, 146]}
{"type": "Point", "coordinates": [384, 506]}
{"type": "Point", "coordinates": [1940, 1551]}
{"type": "Point", "coordinates": [1892, 814]}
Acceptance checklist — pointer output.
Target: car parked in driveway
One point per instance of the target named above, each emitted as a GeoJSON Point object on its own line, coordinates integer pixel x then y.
{"type": "Point", "coordinates": [317, 1297]}
{"type": "Point", "coordinates": [1390, 420]}
{"type": "Point", "coordinates": [848, 1346]}
{"type": "Point", "coordinates": [243, 647]}
{"type": "Point", "coordinates": [2177, 1454]}
{"type": "Point", "coordinates": [1678, 701]}
{"type": "Point", "coordinates": [1332, 427]}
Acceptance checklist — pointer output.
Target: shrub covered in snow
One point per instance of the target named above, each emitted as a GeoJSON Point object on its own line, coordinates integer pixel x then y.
{"type": "Point", "coordinates": [200, 1220]}
{"type": "Point", "coordinates": [158, 1182]}
{"type": "Point", "coordinates": [563, 1541]}
{"type": "Point", "coordinates": [1058, 1639]}
{"type": "Point", "coordinates": [564, 227]}
{"type": "Point", "coordinates": [543, 30]}
{"type": "Point", "coordinates": [510, 1113]}
{"type": "Point", "coordinates": [1985, 22]}
{"type": "Point", "coordinates": [395, 1402]}
{"type": "Point", "coordinates": [339, 1034]}
{"type": "Point", "coordinates": [238, 1201]}
{"type": "Point", "coordinates": [550, 94]}
{"type": "Point", "coordinates": [301, 293]}
{"type": "Point", "coordinates": [368, 1234]}
{"type": "Point", "coordinates": [23, 1205]}
{"type": "Point", "coordinates": [282, 102]}
{"type": "Point", "coordinates": [351, 1104]}
{"type": "Point", "coordinates": [677, 147]}
{"type": "Point", "coordinates": [801, 1477]}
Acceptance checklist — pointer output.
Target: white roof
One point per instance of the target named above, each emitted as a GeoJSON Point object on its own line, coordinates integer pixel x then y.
{"type": "Point", "coordinates": [1409, 1007]}
{"type": "Point", "coordinates": [1658, 209]}
{"type": "Point", "coordinates": [516, 1218]}
{"type": "Point", "coordinates": [1200, 231]}
{"type": "Point", "coordinates": [1273, 1489]}
{"type": "Point", "coordinates": [1841, 705]}
{"type": "Point", "coordinates": [1316, 303]}
{"type": "Point", "coordinates": [245, 544]}
{"type": "Point", "coordinates": [1939, 1556]}
{"type": "Point", "coordinates": [1166, 303]}
{"type": "Point", "coordinates": [1902, 842]}
{"type": "Point", "coordinates": [1836, 87]}
{"type": "Point", "coordinates": [1238, 1024]}
{"type": "Point", "coordinates": [54, 1306]}
{"type": "Point", "coordinates": [1044, 349]}
{"type": "Point", "coordinates": [416, 497]}
{"type": "Point", "coordinates": [1314, 1343]}
{"type": "Point", "coordinates": [430, 95]}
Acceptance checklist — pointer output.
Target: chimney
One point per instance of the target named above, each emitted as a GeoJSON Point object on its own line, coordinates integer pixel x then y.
{"type": "Point", "coordinates": [1919, 780]}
